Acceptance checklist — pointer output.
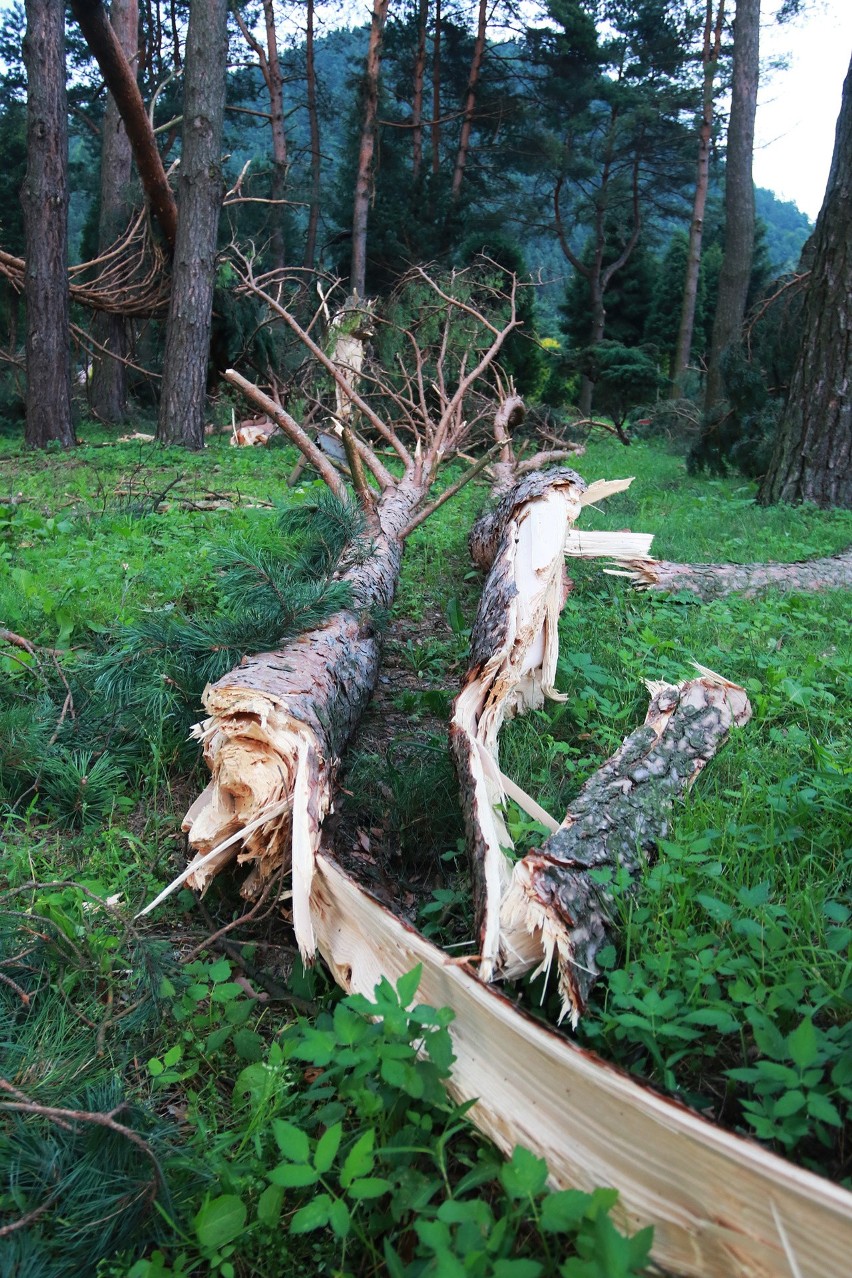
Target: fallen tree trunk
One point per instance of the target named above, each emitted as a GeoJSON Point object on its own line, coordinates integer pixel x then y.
{"type": "Point", "coordinates": [557, 906]}
{"type": "Point", "coordinates": [712, 581]}
{"type": "Point", "coordinates": [721, 1206]}
{"type": "Point", "coordinates": [279, 722]}
{"type": "Point", "coordinates": [514, 650]}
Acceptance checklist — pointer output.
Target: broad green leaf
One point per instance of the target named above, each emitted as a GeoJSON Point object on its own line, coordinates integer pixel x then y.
{"type": "Point", "coordinates": [327, 1147]}
{"type": "Point", "coordinates": [293, 1175]}
{"type": "Point", "coordinates": [338, 1217]}
{"type": "Point", "coordinates": [368, 1187]}
{"type": "Point", "coordinates": [788, 1104]}
{"type": "Point", "coordinates": [269, 1205]}
{"type": "Point", "coordinates": [291, 1140]}
{"type": "Point", "coordinates": [803, 1045]}
{"type": "Point", "coordinates": [524, 1175]}
{"type": "Point", "coordinates": [360, 1160]}
{"type": "Point", "coordinates": [314, 1216]}
{"type": "Point", "coordinates": [406, 986]}
{"type": "Point", "coordinates": [822, 1109]}
{"type": "Point", "coordinates": [563, 1210]}
{"type": "Point", "coordinates": [220, 1221]}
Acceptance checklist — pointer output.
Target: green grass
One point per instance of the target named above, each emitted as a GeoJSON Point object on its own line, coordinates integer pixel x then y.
{"type": "Point", "coordinates": [730, 981]}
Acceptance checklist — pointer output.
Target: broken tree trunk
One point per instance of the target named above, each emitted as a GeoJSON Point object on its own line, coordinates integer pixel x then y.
{"type": "Point", "coordinates": [721, 1206]}
{"type": "Point", "coordinates": [514, 647]}
{"type": "Point", "coordinates": [279, 722]}
{"type": "Point", "coordinates": [712, 581]}
{"type": "Point", "coordinates": [514, 650]}
{"type": "Point", "coordinates": [557, 906]}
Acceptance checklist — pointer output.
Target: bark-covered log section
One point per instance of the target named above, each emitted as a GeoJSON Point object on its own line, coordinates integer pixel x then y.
{"type": "Point", "coordinates": [276, 728]}
{"type": "Point", "coordinates": [557, 907]}
{"type": "Point", "coordinates": [712, 581]}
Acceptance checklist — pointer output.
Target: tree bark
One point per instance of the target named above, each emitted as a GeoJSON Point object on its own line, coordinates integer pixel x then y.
{"type": "Point", "coordinates": [121, 82]}
{"type": "Point", "coordinates": [313, 124]}
{"type": "Point", "coordinates": [200, 186]}
{"type": "Point", "coordinates": [435, 132]}
{"type": "Point", "coordinates": [713, 581]}
{"type": "Point", "coordinates": [557, 907]}
{"type": "Point", "coordinates": [109, 376]}
{"type": "Point", "coordinates": [812, 460]}
{"type": "Point", "coordinates": [739, 197]}
{"type": "Point", "coordinates": [470, 100]}
{"type": "Point", "coordinates": [44, 197]}
{"type": "Point", "coordinates": [711, 49]}
{"type": "Point", "coordinates": [364, 177]}
{"type": "Point", "coordinates": [417, 96]}
{"type": "Point", "coordinates": [279, 723]}
{"type": "Point", "coordinates": [270, 68]}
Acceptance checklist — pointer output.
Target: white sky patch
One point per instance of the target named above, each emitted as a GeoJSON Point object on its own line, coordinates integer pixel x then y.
{"type": "Point", "coordinates": [798, 107]}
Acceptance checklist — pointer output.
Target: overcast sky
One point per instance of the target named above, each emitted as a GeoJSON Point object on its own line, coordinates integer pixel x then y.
{"type": "Point", "coordinates": [798, 107]}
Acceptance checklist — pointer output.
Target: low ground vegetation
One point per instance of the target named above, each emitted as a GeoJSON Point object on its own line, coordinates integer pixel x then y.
{"type": "Point", "coordinates": [254, 1114]}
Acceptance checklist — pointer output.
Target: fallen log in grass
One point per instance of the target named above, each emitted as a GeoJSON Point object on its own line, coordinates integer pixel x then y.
{"type": "Point", "coordinates": [721, 1206]}
{"type": "Point", "coordinates": [713, 581]}
{"type": "Point", "coordinates": [560, 905]}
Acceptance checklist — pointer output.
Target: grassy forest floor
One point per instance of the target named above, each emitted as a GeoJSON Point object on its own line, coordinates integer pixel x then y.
{"type": "Point", "coordinates": [243, 1139]}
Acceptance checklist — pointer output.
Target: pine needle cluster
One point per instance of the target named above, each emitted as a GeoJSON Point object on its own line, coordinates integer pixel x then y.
{"type": "Point", "coordinates": [136, 699]}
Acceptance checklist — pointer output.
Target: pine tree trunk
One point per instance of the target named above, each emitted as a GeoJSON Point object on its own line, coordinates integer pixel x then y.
{"type": "Point", "coordinates": [181, 418]}
{"type": "Point", "coordinates": [436, 93]}
{"type": "Point", "coordinates": [558, 906]}
{"type": "Point", "coordinates": [470, 101]}
{"type": "Point", "coordinates": [108, 395]}
{"type": "Point", "coordinates": [121, 81]}
{"type": "Point", "coordinates": [280, 721]}
{"type": "Point", "coordinates": [364, 177]}
{"type": "Point", "coordinates": [710, 59]}
{"type": "Point", "coordinates": [714, 581]}
{"type": "Point", "coordinates": [44, 197]}
{"type": "Point", "coordinates": [279, 137]}
{"type": "Point", "coordinates": [313, 124]}
{"type": "Point", "coordinates": [417, 95]}
{"type": "Point", "coordinates": [739, 197]}
{"type": "Point", "coordinates": [812, 460]}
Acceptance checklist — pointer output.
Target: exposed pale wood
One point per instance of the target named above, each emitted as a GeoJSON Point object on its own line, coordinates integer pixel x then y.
{"type": "Point", "coordinates": [514, 648]}
{"type": "Point", "coordinates": [712, 1197]}
{"type": "Point", "coordinates": [582, 544]}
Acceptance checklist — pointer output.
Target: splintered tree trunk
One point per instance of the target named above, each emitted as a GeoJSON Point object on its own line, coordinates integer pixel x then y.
{"type": "Point", "coordinates": [712, 581]}
{"type": "Point", "coordinates": [812, 460]}
{"type": "Point", "coordinates": [44, 197]}
{"type": "Point", "coordinates": [278, 725]}
{"type": "Point", "coordinates": [514, 649]}
{"type": "Point", "coordinates": [120, 79]}
{"type": "Point", "coordinates": [181, 419]}
{"type": "Point", "coordinates": [109, 376]}
{"type": "Point", "coordinates": [557, 906]}
{"type": "Point", "coordinates": [364, 177]}
{"type": "Point", "coordinates": [739, 196]}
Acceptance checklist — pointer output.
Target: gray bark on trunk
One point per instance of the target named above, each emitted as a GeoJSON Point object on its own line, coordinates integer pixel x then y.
{"type": "Point", "coordinates": [739, 197]}
{"type": "Point", "coordinates": [557, 907]}
{"type": "Point", "coordinates": [108, 395]}
{"type": "Point", "coordinates": [364, 177]}
{"type": "Point", "coordinates": [713, 581]}
{"type": "Point", "coordinates": [44, 197]}
{"type": "Point", "coordinates": [200, 189]}
{"type": "Point", "coordinates": [812, 460]}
